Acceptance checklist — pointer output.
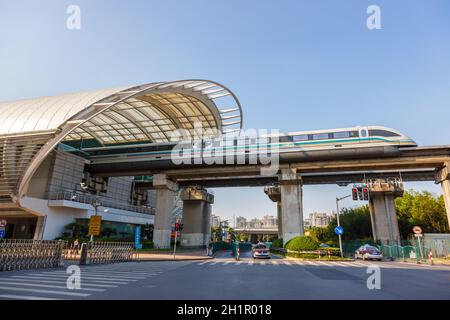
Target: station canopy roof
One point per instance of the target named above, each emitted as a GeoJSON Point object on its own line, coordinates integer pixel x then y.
{"type": "Point", "coordinates": [145, 113]}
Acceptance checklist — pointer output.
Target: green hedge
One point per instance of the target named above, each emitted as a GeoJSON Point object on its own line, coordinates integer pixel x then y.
{"type": "Point", "coordinates": [302, 243]}
{"type": "Point", "coordinates": [278, 243]}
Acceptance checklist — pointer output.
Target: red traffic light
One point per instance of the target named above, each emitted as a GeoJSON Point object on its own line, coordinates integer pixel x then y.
{"type": "Point", "coordinates": [355, 193]}
{"type": "Point", "coordinates": [365, 194]}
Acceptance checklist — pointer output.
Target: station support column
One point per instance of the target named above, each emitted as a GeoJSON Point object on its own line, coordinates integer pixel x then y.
{"type": "Point", "coordinates": [279, 219]}
{"type": "Point", "coordinates": [165, 197]}
{"type": "Point", "coordinates": [291, 204]}
{"type": "Point", "coordinates": [443, 177]}
{"type": "Point", "coordinates": [382, 210]}
{"type": "Point", "coordinates": [196, 217]}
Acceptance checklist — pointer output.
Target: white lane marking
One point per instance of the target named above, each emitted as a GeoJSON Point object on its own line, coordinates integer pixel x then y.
{"type": "Point", "coordinates": [287, 263]}
{"type": "Point", "coordinates": [75, 294]}
{"type": "Point", "coordinates": [239, 262]}
{"type": "Point", "coordinates": [262, 262]}
{"type": "Point", "coordinates": [275, 263]}
{"type": "Point", "coordinates": [82, 277]}
{"type": "Point", "coordinates": [251, 262]}
{"type": "Point", "coordinates": [48, 286]}
{"type": "Point", "coordinates": [342, 264]}
{"type": "Point", "coordinates": [359, 264]}
{"type": "Point", "coordinates": [214, 263]}
{"type": "Point", "coordinates": [204, 262]}
{"type": "Point", "coordinates": [226, 262]}
{"type": "Point", "coordinates": [52, 278]}
{"type": "Point", "coordinates": [17, 297]}
{"type": "Point", "coordinates": [310, 263]}
{"type": "Point", "coordinates": [100, 274]}
{"type": "Point", "coordinates": [116, 272]}
{"type": "Point", "coordinates": [300, 263]}
{"type": "Point", "coordinates": [323, 263]}
{"type": "Point", "coordinates": [27, 280]}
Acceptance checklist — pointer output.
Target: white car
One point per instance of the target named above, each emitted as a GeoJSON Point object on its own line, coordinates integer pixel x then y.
{"type": "Point", "coordinates": [260, 251]}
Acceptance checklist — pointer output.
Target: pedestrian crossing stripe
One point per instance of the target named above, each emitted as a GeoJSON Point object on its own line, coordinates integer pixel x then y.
{"type": "Point", "coordinates": [17, 297]}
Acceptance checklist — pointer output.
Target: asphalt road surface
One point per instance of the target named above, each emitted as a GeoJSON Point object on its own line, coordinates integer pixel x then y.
{"type": "Point", "coordinates": [226, 278]}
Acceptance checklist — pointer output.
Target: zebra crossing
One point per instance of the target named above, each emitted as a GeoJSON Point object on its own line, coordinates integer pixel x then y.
{"type": "Point", "coordinates": [53, 284]}
{"type": "Point", "coordinates": [294, 263]}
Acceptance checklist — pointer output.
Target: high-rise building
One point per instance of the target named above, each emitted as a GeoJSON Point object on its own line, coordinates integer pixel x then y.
{"type": "Point", "coordinates": [317, 219]}
{"type": "Point", "coordinates": [215, 221]}
{"type": "Point", "coordinates": [241, 222]}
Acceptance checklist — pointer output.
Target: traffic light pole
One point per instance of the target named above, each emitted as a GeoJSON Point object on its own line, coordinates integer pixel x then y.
{"type": "Point", "coordinates": [175, 244]}
{"type": "Point", "coordinates": [338, 223]}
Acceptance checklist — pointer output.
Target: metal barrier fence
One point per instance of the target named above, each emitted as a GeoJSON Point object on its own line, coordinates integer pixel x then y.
{"type": "Point", "coordinates": [107, 252]}
{"type": "Point", "coordinates": [30, 254]}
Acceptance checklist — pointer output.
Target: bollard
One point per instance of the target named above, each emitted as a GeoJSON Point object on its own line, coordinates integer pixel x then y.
{"type": "Point", "coordinates": [430, 257]}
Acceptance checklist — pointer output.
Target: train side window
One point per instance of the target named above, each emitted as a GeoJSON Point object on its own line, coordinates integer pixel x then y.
{"type": "Point", "coordinates": [320, 136]}
{"type": "Point", "coordinates": [285, 139]}
{"type": "Point", "coordinates": [382, 133]}
{"type": "Point", "coordinates": [303, 137]}
{"type": "Point", "coordinates": [341, 135]}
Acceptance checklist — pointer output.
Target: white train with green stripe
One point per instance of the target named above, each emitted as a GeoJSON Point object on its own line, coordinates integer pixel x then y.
{"type": "Point", "coordinates": [352, 142]}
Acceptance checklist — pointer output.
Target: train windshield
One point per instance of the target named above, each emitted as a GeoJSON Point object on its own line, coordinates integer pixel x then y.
{"type": "Point", "coordinates": [383, 133]}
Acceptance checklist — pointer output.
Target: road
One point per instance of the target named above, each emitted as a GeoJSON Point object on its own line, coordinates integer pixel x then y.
{"type": "Point", "coordinates": [225, 278]}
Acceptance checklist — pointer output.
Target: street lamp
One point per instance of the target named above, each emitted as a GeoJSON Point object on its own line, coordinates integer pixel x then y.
{"type": "Point", "coordinates": [337, 220]}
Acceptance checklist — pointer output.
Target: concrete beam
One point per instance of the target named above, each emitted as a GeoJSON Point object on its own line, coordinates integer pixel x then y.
{"type": "Point", "coordinates": [165, 196]}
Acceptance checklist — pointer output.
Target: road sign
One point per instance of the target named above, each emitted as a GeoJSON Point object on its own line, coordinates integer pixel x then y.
{"type": "Point", "coordinates": [3, 223]}
{"type": "Point", "coordinates": [137, 237]}
{"type": "Point", "coordinates": [339, 230]}
{"type": "Point", "coordinates": [417, 230]}
{"type": "Point", "coordinates": [2, 233]}
{"type": "Point", "coordinates": [95, 225]}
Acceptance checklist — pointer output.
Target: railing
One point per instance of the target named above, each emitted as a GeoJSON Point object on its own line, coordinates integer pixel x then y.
{"type": "Point", "coordinates": [90, 199]}
{"type": "Point", "coordinates": [107, 252]}
{"type": "Point", "coordinates": [30, 254]}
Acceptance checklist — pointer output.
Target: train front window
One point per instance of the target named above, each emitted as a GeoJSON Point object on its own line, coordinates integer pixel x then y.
{"type": "Point", "coordinates": [341, 135]}
{"type": "Point", "coordinates": [382, 133]}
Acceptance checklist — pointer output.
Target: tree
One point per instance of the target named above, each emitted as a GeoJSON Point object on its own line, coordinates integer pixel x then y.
{"type": "Point", "coordinates": [356, 223]}
{"type": "Point", "coordinates": [423, 209]}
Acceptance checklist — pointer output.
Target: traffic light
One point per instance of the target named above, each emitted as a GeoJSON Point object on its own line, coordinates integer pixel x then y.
{"type": "Point", "coordinates": [360, 193]}
{"type": "Point", "coordinates": [355, 193]}
{"type": "Point", "coordinates": [365, 194]}
{"type": "Point", "coordinates": [178, 226]}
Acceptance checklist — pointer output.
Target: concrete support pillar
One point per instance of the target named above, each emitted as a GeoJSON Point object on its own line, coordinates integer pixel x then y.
{"type": "Point", "coordinates": [443, 177]}
{"type": "Point", "coordinates": [382, 210]}
{"type": "Point", "coordinates": [279, 219]}
{"type": "Point", "coordinates": [291, 204]}
{"type": "Point", "coordinates": [39, 230]}
{"type": "Point", "coordinates": [165, 196]}
{"type": "Point", "coordinates": [196, 217]}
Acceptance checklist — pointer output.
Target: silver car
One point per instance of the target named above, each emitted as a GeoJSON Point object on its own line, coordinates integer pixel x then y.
{"type": "Point", "coordinates": [260, 251]}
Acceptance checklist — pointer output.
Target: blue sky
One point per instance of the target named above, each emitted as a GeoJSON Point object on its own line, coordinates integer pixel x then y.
{"type": "Point", "coordinates": [294, 65]}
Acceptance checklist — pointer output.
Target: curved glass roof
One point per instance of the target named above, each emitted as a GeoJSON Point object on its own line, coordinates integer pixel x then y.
{"type": "Point", "coordinates": [145, 113]}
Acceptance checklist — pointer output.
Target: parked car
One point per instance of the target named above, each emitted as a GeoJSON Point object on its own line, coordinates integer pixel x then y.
{"type": "Point", "coordinates": [368, 252]}
{"type": "Point", "coordinates": [260, 250]}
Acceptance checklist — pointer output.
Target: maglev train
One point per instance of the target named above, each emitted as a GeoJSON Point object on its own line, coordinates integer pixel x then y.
{"type": "Point", "coordinates": [302, 145]}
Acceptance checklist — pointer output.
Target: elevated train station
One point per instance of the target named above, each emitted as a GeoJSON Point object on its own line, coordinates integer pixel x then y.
{"type": "Point", "coordinates": [114, 142]}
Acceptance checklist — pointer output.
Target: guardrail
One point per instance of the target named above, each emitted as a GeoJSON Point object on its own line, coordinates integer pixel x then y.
{"type": "Point", "coordinates": [30, 254]}
{"type": "Point", "coordinates": [107, 252]}
{"type": "Point", "coordinates": [90, 199]}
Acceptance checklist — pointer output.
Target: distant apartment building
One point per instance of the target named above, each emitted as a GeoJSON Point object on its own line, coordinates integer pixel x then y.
{"type": "Point", "coordinates": [215, 221]}
{"type": "Point", "coordinates": [317, 219]}
{"type": "Point", "coordinates": [266, 222]}
{"type": "Point", "coordinates": [241, 222]}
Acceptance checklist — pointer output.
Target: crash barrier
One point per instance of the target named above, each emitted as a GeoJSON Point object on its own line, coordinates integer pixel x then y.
{"type": "Point", "coordinates": [107, 252]}
{"type": "Point", "coordinates": [30, 254]}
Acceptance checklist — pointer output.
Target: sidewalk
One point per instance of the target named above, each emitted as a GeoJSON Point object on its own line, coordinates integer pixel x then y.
{"type": "Point", "coordinates": [168, 256]}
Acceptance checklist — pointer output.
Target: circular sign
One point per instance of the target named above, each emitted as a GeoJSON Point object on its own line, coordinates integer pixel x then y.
{"type": "Point", "coordinates": [417, 230]}
{"type": "Point", "coordinates": [339, 230]}
{"type": "Point", "coordinates": [3, 223]}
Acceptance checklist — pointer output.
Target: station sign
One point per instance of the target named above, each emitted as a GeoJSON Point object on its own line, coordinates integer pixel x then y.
{"type": "Point", "coordinates": [95, 223]}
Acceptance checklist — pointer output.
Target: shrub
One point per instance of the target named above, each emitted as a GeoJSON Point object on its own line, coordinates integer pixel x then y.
{"type": "Point", "coordinates": [302, 243]}
{"type": "Point", "coordinates": [278, 243]}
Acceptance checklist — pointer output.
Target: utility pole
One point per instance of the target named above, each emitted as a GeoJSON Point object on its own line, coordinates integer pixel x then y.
{"type": "Point", "coordinates": [338, 223]}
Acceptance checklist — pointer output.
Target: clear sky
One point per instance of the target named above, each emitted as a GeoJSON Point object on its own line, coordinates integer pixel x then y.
{"type": "Point", "coordinates": [294, 65]}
